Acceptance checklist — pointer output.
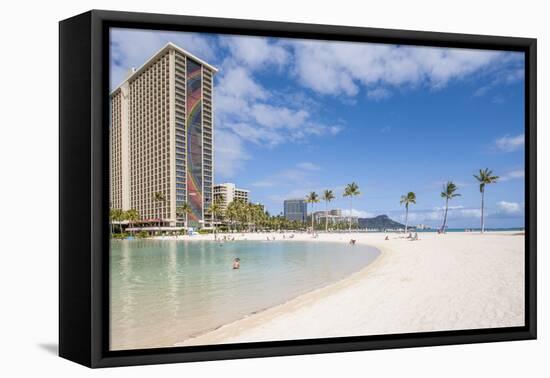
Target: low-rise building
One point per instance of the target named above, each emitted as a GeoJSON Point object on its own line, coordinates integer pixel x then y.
{"type": "Point", "coordinates": [226, 193]}
{"type": "Point", "coordinates": [334, 217]}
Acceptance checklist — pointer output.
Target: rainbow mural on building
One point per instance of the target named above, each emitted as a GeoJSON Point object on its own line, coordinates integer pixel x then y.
{"type": "Point", "coordinates": [194, 140]}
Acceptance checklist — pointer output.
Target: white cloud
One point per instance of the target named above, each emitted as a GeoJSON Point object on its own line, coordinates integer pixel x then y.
{"type": "Point", "coordinates": [250, 112]}
{"type": "Point", "coordinates": [132, 47]}
{"type": "Point", "coordinates": [505, 76]}
{"type": "Point", "coordinates": [436, 215]}
{"type": "Point", "coordinates": [308, 166]}
{"type": "Point", "coordinates": [457, 213]}
{"type": "Point", "coordinates": [251, 133]}
{"type": "Point", "coordinates": [255, 52]}
{"type": "Point", "coordinates": [278, 117]}
{"type": "Point", "coordinates": [512, 175]}
{"type": "Point", "coordinates": [342, 68]}
{"type": "Point", "coordinates": [509, 208]}
{"type": "Point", "coordinates": [297, 176]}
{"type": "Point", "coordinates": [457, 207]}
{"type": "Point", "coordinates": [469, 213]}
{"type": "Point", "coordinates": [237, 82]}
{"type": "Point", "coordinates": [510, 143]}
{"type": "Point", "coordinates": [357, 213]}
{"type": "Point", "coordinates": [229, 154]}
{"type": "Point", "coordinates": [378, 94]}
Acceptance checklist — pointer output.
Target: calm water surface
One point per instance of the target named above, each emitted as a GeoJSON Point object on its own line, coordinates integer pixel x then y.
{"type": "Point", "coordinates": [163, 292]}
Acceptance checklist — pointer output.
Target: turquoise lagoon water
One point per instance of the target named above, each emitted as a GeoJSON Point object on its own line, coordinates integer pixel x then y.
{"type": "Point", "coordinates": [163, 292]}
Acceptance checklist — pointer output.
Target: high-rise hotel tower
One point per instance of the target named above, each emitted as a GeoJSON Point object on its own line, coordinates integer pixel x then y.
{"type": "Point", "coordinates": [162, 139]}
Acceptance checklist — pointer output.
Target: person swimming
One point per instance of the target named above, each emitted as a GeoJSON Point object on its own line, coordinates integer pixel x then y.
{"type": "Point", "coordinates": [236, 263]}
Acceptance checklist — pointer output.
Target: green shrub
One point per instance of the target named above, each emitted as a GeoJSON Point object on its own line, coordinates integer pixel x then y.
{"type": "Point", "coordinates": [142, 234]}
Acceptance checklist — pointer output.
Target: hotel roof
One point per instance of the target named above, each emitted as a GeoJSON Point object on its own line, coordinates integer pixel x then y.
{"type": "Point", "coordinates": [148, 62]}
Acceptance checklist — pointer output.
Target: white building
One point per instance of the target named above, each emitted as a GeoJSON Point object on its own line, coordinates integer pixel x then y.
{"type": "Point", "coordinates": [334, 216]}
{"type": "Point", "coordinates": [226, 193]}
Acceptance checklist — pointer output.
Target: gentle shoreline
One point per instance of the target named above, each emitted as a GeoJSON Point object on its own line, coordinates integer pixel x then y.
{"type": "Point", "coordinates": [301, 275]}
{"type": "Point", "coordinates": [441, 282]}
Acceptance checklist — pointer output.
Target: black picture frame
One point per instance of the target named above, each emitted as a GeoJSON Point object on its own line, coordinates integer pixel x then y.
{"type": "Point", "coordinates": [84, 193]}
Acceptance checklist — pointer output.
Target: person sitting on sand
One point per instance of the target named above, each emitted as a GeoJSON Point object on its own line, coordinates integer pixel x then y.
{"type": "Point", "coordinates": [352, 241]}
{"type": "Point", "coordinates": [236, 263]}
{"type": "Point", "coordinates": [415, 237]}
{"type": "Point", "coordinates": [387, 237]}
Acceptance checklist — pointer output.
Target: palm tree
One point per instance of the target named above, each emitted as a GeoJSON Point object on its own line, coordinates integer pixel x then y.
{"type": "Point", "coordinates": [485, 177]}
{"type": "Point", "coordinates": [116, 216]}
{"type": "Point", "coordinates": [232, 213]}
{"type": "Point", "coordinates": [448, 193]}
{"type": "Point", "coordinates": [214, 209]}
{"type": "Point", "coordinates": [407, 199]}
{"type": "Point", "coordinates": [351, 191]}
{"type": "Point", "coordinates": [131, 216]}
{"type": "Point", "coordinates": [258, 214]}
{"type": "Point", "coordinates": [312, 198]}
{"type": "Point", "coordinates": [184, 210]}
{"type": "Point", "coordinates": [158, 197]}
{"type": "Point", "coordinates": [327, 197]}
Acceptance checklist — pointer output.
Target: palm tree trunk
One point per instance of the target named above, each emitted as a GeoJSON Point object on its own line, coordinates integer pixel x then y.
{"type": "Point", "coordinates": [445, 217]}
{"type": "Point", "coordinates": [326, 216]}
{"type": "Point", "coordinates": [312, 229]}
{"type": "Point", "coordinates": [482, 211]}
{"type": "Point", "coordinates": [406, 218]}
{"type": "Point", "coordinates": [350, 210]}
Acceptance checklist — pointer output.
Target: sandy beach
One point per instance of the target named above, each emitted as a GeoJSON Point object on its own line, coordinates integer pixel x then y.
{"type": "Point", "coordinates": [440, 282]}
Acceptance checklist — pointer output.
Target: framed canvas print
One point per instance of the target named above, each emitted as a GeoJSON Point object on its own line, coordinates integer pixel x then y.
{"type": "Point", "coordinates": [233, 188]}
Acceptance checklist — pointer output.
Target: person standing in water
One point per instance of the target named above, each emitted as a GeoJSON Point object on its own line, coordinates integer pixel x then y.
{"type": "Point", "coordinates": [236, 263]}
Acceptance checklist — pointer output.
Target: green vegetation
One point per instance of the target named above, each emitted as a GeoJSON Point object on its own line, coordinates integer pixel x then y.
{"type": "Point", "coordinates": [115, 215]}
{"type": "Point", "coordinates": [312, 198]}
{"type": "Point", "coordinates": [121, 235]}
{"type": "Point", "coordinates": [142, 234]}
{"type": "Point", "coordinates": [132, 216]}
{"type": "Point", "coordinates": [407, 199]}
{"type": "Point", "coordinates": [327, 197]}
{"type": "Point", "coordinates": [183, 211]}
{"type": "Point", "coordinates": [351, 191]}
{"type": "Point", "coordinates": [484, 178]}
{"type": "Point", "coordinates": [240, 216]}
{"type": "Point", "coordinates": [215, 210]}
{"type": "Point", "coordinates": [380, 222]}
{"type": "Point", "coordinates": [159, 199]}
{"type": "Point", "coordinates": [448, 193]}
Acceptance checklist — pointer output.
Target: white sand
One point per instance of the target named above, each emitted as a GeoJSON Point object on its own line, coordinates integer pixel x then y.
{"type": "Point", "coordinates": [441, 282]}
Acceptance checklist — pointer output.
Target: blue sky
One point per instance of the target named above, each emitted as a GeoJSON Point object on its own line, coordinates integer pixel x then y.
{"type": "Point", "coordinates": [294, 116]}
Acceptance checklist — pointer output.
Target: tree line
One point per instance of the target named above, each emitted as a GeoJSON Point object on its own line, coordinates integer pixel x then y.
{"type": "Point", "coordinates": [244, 216]}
